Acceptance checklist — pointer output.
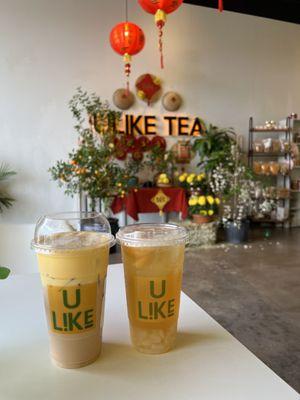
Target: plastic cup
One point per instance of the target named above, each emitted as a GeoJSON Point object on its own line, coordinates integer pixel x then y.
{"type": "Point", "coordinates": [153, 256]}
{"type": "Point", "coordinates": [72, 251]}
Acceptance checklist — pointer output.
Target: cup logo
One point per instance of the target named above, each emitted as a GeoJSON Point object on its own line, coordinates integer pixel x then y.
{"type": "Point", "coordinates": [73, 309]}
{"type": "Point", "coordinates": [157, 299]}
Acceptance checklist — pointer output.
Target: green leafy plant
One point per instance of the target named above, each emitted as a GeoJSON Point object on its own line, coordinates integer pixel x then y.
{"type": "Point", "coordinates": [91, 168]}
{"type": "Point", "coordinates": [160, 161]}
{"type": "Point", "coordinates": [4, 272]}
{"type": "Point", "coordinates": [214, 147]}
{"type": "Point", "coordinates": [5, 200]}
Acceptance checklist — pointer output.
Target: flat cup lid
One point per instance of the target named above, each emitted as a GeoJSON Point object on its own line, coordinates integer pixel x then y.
{"type": "Point", "coordinates": [72, 230]}
{"type": "Point", "coordinates": [145, 235]}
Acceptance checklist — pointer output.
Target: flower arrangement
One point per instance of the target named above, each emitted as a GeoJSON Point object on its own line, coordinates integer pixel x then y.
{"type": "Point", "coordinates": [202, 201]}
{"type": "Point", "coordinates": [234, 181]}
{"type": "Point", "coordinates": [204, 205]}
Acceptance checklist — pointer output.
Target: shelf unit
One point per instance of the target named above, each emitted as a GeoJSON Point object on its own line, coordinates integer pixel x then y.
{"type": "Point", "coordinates": [282, 181]}
{"type": "Point", "coordinates": [295, 175]}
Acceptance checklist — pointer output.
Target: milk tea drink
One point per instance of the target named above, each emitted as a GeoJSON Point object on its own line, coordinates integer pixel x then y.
{"type": "Point", "coordinates": [73, 268]}
{"type": "Point", "coordinates": [153, 256]}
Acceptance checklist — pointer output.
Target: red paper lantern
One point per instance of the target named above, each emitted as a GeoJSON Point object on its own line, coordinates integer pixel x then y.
{"type": "Point", "coordinates": [127, 39]}
{"type": "Point", "coordinates": [160, 8]}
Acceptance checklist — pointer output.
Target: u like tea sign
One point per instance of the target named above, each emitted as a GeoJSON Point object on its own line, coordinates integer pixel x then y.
{"type": "Point", "coordinates": [165, 125]}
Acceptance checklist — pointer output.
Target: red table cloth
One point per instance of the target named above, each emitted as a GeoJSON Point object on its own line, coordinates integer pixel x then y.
{"type": "Point", "coordinates": [139, 201]}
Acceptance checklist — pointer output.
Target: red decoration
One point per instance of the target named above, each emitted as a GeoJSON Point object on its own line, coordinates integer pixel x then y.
{"type": "Point", "coordinates": [143, 143]}
{"type": "Point", "coordinates": [127, 39]}
{"type": "Point", "coordinates": [159, 141]}
{"type": "Point", "coordinates": [160, 8]}
{"type": "Point", "coordinates": [137, 155]}
{"type": "Point", "coordinates": [221, 7]}
{"type": "Point", "coordinates": [147, 87]}
{"type": "Point", "coordinates": [121, 153]}
{"type": "Point", "coordinates": [139, 201]}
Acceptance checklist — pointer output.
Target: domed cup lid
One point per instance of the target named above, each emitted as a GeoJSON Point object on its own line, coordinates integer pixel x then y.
{"type": "Point", "coordinates": [145, 235]}
{"type": "Point", "coordinates": [72, 230]}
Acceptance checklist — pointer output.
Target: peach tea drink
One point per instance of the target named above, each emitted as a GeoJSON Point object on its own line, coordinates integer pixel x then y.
{"type": "Point", "coordinates": [153, 256]}
{"type": "Point", "coordinates": [73, 266]}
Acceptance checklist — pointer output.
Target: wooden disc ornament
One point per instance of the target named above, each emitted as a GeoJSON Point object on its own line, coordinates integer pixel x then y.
{"type": "Point", "coordinates": [123, 99]}
{"type": "Point", "coordinates": [171, 101]}
{"type": "Point", "coordinates": [148, 88]}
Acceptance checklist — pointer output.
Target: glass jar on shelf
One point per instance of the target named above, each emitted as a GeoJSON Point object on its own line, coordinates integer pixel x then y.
{"type": "Point", "coordinates": [268, 145]}
{"type": "Point", "coordinates": [276, 144]}
{"type": "Point", "coordinates": [257, 167]}
{"type": "Point", "coordinates": [265, 168]}
{"type": "Point", "coordinates": [258, 146]}
{"type": "Point", "coordinates": [274, 168]}
{"type": "Point", "coordinates": [284, 168]}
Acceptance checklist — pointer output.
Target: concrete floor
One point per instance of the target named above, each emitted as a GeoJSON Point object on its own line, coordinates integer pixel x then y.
{"type": "Point", "coordinates": [253, 291]}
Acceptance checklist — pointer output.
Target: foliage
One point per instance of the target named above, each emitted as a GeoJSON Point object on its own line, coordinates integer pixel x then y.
{"type": "Point", "coordinates": [91, 168]}
{"type": "Point", "coordinates": [4, 272]}
{"type": "Point", "coordinates": [213, 148]}
{"type": "Point", "coordinates": [234, 182]}
{"type": "Point", "coordinates": [161, 161]}
{"type": "Point", "coordinates": [5, 200]}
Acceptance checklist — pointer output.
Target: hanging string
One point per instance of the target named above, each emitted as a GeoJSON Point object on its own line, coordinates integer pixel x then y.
{"type": "Point", "coordinates": [126, 10]}
{"type": "Point", "coordinates": [160, 34]}
{"type": "Point", "coordinates": [128, 58]}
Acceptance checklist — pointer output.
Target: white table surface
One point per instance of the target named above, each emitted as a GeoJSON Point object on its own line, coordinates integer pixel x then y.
{"type": "Point", "coordinates": [208, 363]}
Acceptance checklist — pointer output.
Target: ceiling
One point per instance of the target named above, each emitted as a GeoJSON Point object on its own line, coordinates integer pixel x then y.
{"type": "Point", "coordinates": [283, 10]}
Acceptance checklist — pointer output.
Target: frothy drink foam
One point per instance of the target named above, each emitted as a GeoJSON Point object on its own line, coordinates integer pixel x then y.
{"type": "Point", "coordinates": [73, 268]}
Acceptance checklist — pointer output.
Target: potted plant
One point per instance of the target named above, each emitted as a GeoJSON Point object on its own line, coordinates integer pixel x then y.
{"type": "Point", "coordinates": [234, 181]}
{"type": "Point", "coordinates": [4, 272]}
{"type": "Point", "coordinates": [214, 146]}
{"type": "Point", "coordinates": [92, 168]}
{"type": "Point", "coordinates": [203, 204]}
{"type": "Point", "coordinates": [5, 200]}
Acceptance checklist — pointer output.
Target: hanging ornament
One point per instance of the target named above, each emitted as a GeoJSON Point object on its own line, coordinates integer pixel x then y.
{"type": "Point", "coordinates": [123, 99]}
{"type": "Point", "coordinates": [148, 88]}
{"type": "Point", "coordinates": [160, 8]}
{"type": "Point", "coordinates": [171, 101]}
{"type": "Point", "coordinates": [221, 6]}
{"type": "Point", "coordinates": [127, 39]}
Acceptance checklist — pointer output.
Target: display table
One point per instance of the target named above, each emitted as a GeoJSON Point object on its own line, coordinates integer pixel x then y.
{"type": "Point", "coordinates": [207, 364]}
{"type": "Point", "coordinates": [139, 201]}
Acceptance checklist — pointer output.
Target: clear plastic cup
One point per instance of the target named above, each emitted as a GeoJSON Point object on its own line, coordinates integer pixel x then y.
{"type": "Point", "coordinates": [153, 256]}
{"type": "Point", "coordinates": [73, 251]}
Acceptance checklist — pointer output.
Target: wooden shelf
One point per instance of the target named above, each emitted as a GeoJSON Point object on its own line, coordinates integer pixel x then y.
{"type": "Point", "coordinates": [269, 221]}
{"type": "Point", "coordinates": [269, 130]}
{"type": "Point", "coordinates": [256, 154]}
{"type": "Point", "coordinates": [294, 191]}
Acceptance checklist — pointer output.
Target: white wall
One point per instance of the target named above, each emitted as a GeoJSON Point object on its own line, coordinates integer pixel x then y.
{"type": "Point", "coordinates": [227, 67]}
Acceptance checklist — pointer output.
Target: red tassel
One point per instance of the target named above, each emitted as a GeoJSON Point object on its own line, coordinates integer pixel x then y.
{"type": "Point", "coordinates": [221, 7]}
{"type": "Point", "coordinates": [160, 25]}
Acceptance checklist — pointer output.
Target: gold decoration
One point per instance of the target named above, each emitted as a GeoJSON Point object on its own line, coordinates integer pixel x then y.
{"type": "Point", "coordinates": [160, 200]}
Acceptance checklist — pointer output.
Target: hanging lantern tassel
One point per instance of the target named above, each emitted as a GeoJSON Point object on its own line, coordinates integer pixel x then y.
{"type": "Point", "coordinates": [160, 20]}
{"type": "Point", "coordinates": [221, 7]}
{"type": "Point", "coordinates": [127, 61]}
